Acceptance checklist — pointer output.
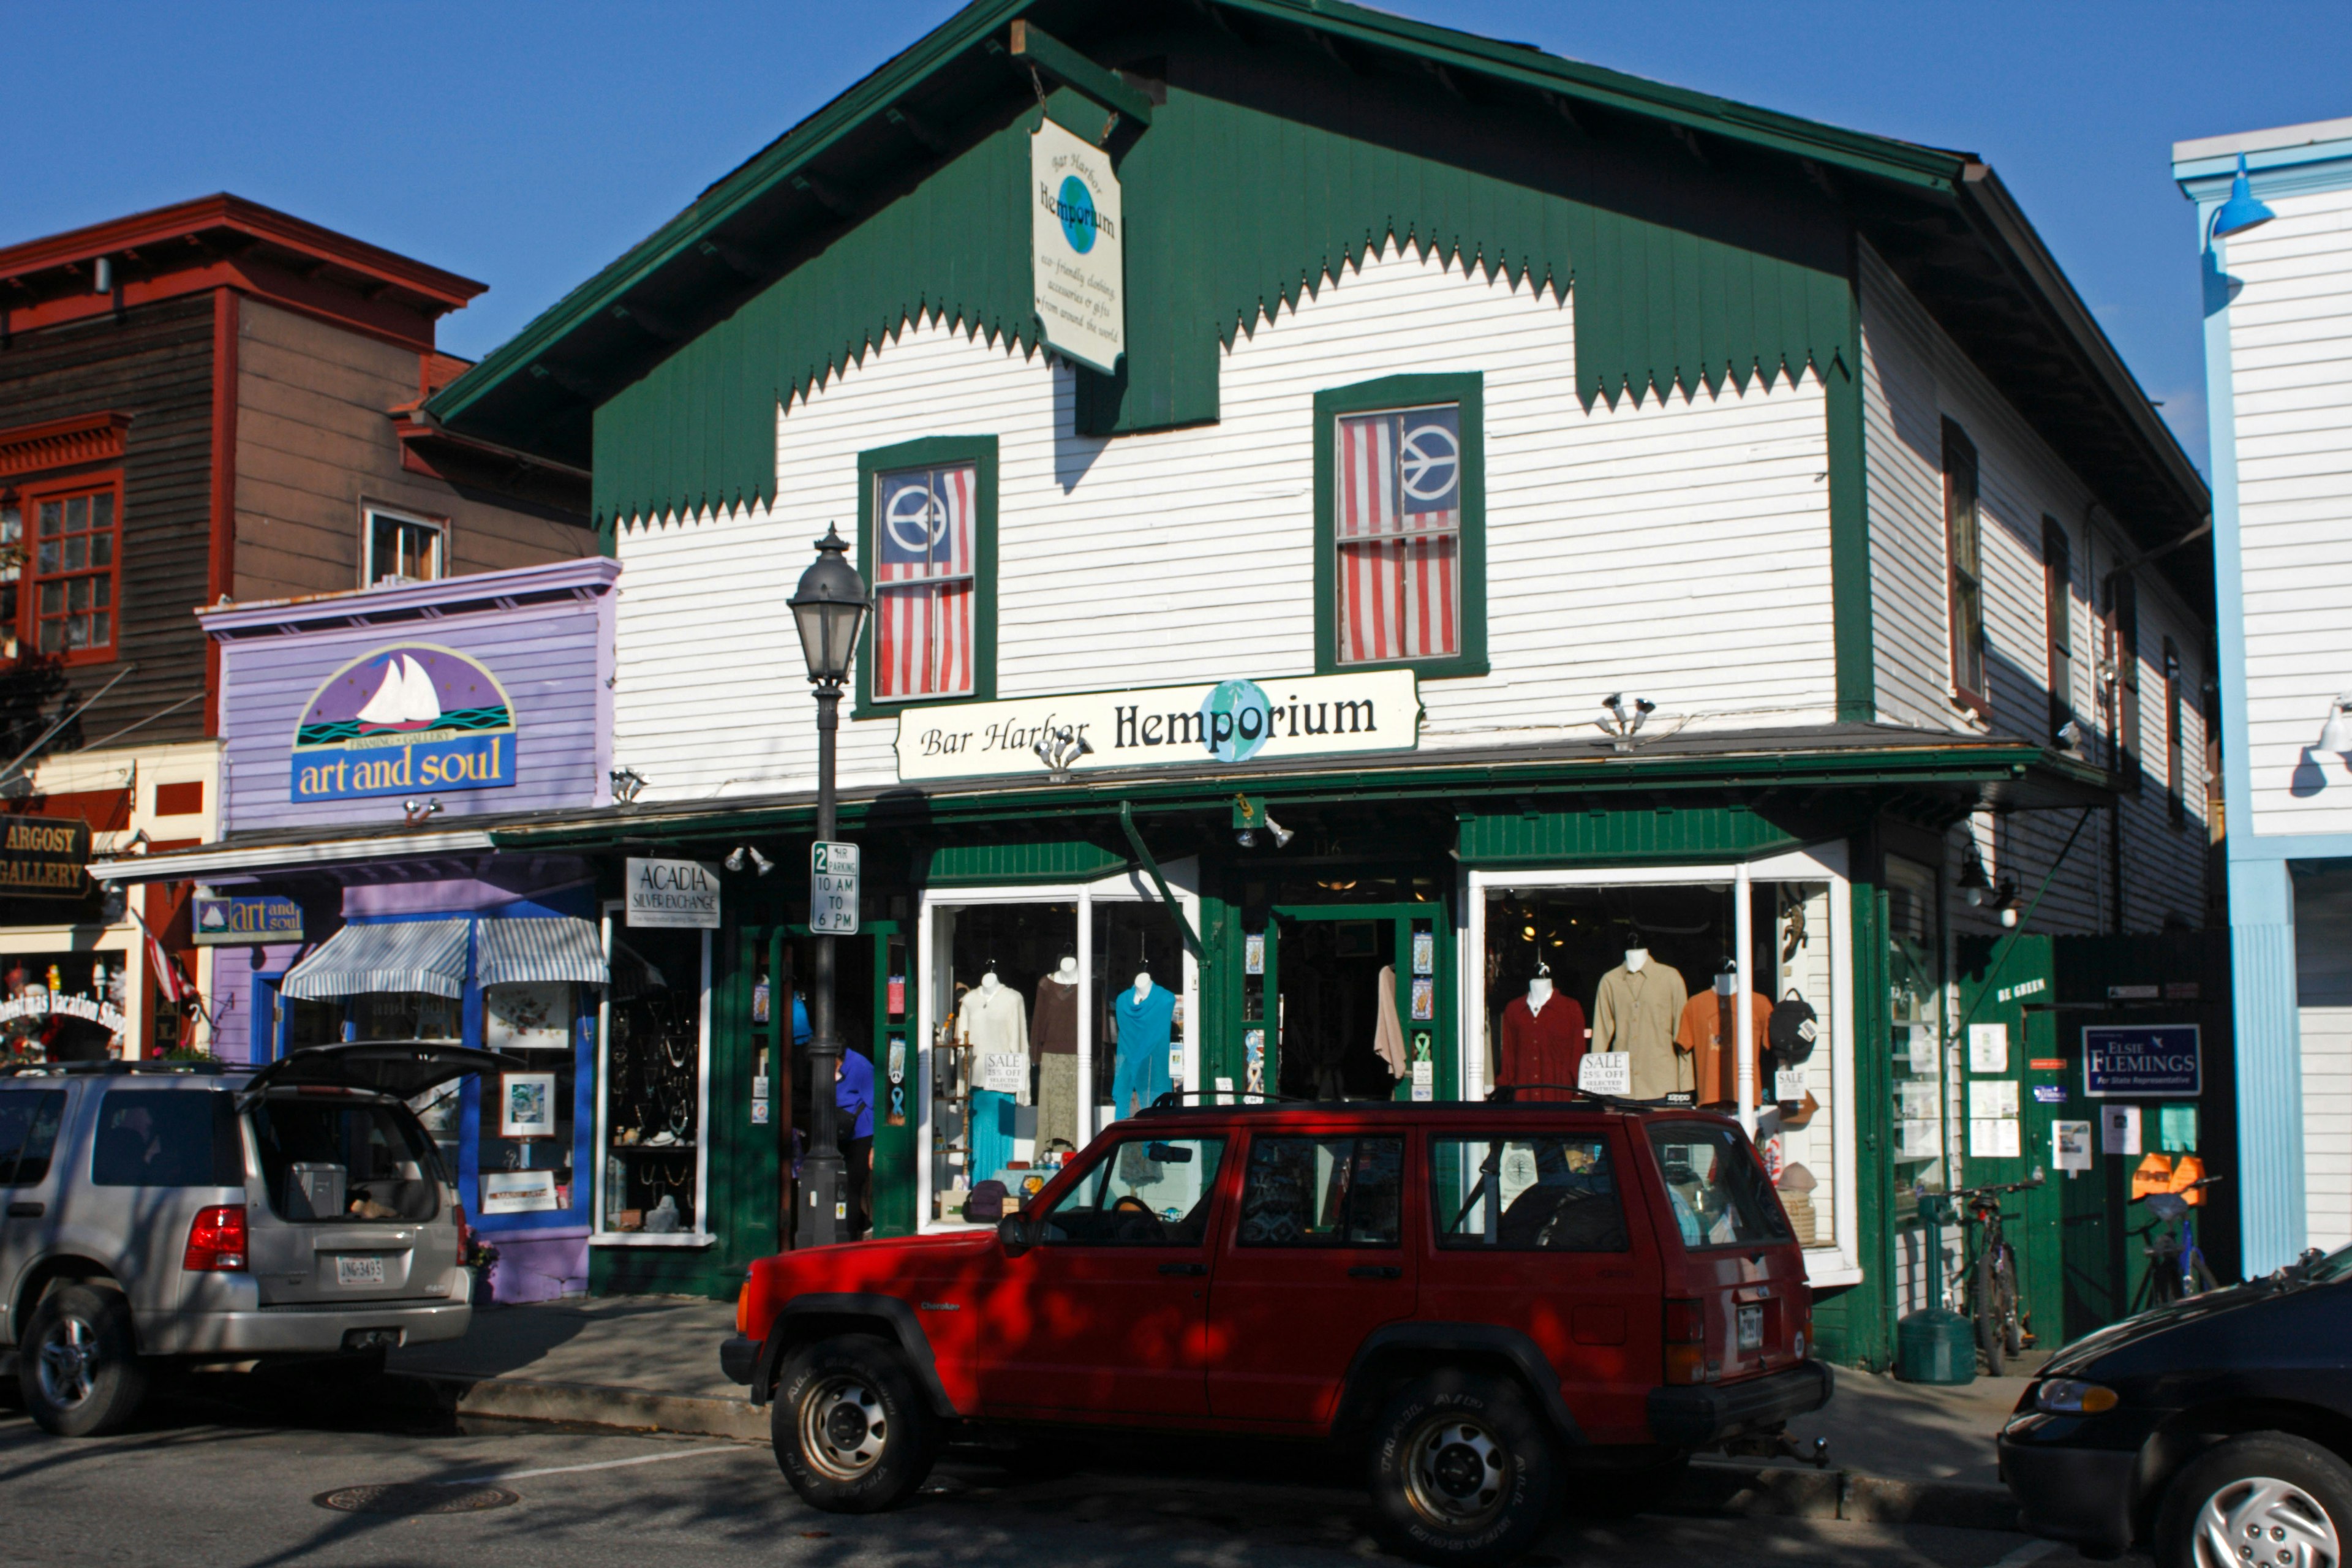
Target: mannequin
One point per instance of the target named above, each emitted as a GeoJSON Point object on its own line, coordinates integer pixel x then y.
{"type": "Point", "coordinates": [1639, 1005]}
{"type": "Point", "coordinates": [1147, 1017]}
{"type": "Point", "coordinates": [1543, 1041]}
{"type": "Point", "coordinates": [992, 1023]}
{"type": "Point", "coordinates": [1708, 1038]}
{"type": "Point", "coordinates": [1054, 1048]}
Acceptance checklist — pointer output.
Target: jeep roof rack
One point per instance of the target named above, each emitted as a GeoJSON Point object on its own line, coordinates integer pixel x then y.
{"type": "Point", "coordinates": [1172, 1103]}
{"type": "Point", "coordinates": [113, 1069]}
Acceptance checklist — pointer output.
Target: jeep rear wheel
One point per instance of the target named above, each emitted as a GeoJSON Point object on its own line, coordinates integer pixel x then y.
{"type": "Point", "coordinates": [852, 1432]}
{"type": "Point", "coordinates": [78, 1367]}
{"type": "Point", "coordinates": [1463, 1472]}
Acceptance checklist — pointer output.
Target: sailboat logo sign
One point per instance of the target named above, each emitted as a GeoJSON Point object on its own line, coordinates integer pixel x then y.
{"type": "Point", "coordinates": [416, 716]}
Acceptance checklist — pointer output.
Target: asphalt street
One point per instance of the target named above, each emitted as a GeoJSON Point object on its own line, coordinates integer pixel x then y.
{"type": "Point", "coordinates": [210, 1479]}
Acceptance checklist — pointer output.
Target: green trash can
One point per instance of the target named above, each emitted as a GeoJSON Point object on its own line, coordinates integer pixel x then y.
{"type": "Point", "coordinates": [1934, 1346]}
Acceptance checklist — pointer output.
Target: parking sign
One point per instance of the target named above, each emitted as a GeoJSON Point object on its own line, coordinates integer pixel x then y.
{"type": "Point", "coordinates": [833, 888]}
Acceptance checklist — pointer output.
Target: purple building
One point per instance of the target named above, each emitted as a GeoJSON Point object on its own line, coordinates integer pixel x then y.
{"type": "Point", "coordinates": [371, 740]}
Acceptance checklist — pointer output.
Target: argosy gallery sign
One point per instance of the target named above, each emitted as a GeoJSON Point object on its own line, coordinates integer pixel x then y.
{"type": "Point", "coordinates": [1223, 722]}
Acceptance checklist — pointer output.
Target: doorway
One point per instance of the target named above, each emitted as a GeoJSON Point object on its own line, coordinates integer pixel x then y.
{"type": "Point", "coordinates": [1362, 1003]}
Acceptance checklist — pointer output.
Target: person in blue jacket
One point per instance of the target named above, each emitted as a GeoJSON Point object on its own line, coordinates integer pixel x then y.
{"type": "Point", "coordinates": [853, 1102]}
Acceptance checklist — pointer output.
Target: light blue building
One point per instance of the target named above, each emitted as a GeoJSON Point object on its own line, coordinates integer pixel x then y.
{"type": "Point", "coordinates": [2274, 230]}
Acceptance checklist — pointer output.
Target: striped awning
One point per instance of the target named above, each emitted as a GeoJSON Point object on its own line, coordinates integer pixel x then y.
{"type": "Point", "coordinates": [399, 955]}
{"type": "Point", "coordinates": [530, 952]}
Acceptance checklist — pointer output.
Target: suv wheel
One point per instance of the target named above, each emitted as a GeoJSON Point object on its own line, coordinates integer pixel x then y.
{"type": "Point", "coordinates": [852, 1432]}
{"type": "Point", "coordinates": [79, 1366]}
{"type": "Point", "coordinates": [2266, 1501]}
{"type": "Point", "coordinates": [1462, 1470]}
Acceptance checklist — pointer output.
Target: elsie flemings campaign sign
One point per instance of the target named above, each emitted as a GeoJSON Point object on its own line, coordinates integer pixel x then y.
{"type": "Point", "coordinates": [414, 716]}
{"type": "Point", "coordinates": [1235, 720]}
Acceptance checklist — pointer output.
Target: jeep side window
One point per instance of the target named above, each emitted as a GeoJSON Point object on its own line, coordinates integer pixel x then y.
{"type": "Point", "coordinates": [1323, 1192]}
{"type": "Point", "coordinates": [167, 1138]}
{"type": "Point", "coordinates": [1720, 1194]}
{"type": "Point", "coordinates": [1146, 1192]}
{"type": "Point", "coordinates": [29, 1119]}
{"type": "Point", "coordinates": [1541, 1193]}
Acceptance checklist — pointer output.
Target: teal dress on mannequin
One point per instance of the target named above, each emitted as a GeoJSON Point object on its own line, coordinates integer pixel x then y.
{"type": "Point", "coordinates": [1144, 1027]}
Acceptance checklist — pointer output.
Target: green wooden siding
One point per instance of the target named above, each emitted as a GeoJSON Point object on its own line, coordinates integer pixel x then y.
{"type": "Point", "coordinates": [1231, 211]}
{"type": "Point", "coordinates": [1617, 836]}
{"type": "Point", "coordinates": [1048, 861]}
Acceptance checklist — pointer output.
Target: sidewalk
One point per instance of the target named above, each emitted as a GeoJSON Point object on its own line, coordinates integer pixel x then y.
{"type": "Point", "coordinates": [1898, 1452]}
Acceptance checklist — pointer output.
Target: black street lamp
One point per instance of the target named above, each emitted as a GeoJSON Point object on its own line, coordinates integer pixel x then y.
{"type": "Point", "coordinates": [829, 605]}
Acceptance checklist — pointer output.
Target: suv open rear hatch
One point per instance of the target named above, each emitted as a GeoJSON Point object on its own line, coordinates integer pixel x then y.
{"type": "Point", "coordinates": [402, 1069]}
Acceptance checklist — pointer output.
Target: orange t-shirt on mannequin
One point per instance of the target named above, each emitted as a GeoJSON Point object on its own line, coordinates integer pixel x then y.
{"type": "Point", "coordinates": [1710, 1035]}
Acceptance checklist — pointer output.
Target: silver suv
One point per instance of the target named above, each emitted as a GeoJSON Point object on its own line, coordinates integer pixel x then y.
{"type": "Point", "coordinates": [223, 1216]}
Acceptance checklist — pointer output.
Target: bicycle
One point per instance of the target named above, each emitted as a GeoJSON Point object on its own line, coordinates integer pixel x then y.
{"type": "Point", "coordinates": [1992, 1270]}
{"type": "Point", "coordinates": [2175, 1264]}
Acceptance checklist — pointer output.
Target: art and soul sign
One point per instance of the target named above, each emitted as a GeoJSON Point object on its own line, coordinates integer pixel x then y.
{"type": "Point", "coordinates": [410, 717]}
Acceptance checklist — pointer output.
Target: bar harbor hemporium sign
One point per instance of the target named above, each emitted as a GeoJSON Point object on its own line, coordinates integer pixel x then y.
{"type": "Point", "coordinates": [1235, 720]}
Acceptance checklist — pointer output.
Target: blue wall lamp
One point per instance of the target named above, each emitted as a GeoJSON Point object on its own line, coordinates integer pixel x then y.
{"type": "Point", "coordinates": [2242, 211]}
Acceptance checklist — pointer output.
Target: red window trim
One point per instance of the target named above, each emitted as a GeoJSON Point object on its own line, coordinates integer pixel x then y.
{"type": "Point", "coordinates": [27, 628]}
{"type": "Point", "coordinates": [62, 443]}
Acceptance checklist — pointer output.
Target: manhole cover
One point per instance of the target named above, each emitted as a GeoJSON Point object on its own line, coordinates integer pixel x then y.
{"type": "Point", "coordinates": [413, 1498]}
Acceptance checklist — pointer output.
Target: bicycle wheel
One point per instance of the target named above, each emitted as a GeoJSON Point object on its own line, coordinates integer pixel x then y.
{"type": "Point", "coordinates": [2012, 1328]}
{"type": "Point", "coordinates": [1986, 1306]}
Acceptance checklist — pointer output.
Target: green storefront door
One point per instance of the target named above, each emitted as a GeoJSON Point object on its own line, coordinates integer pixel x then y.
{"type": "Point", "coordinates": [1318, 1002]}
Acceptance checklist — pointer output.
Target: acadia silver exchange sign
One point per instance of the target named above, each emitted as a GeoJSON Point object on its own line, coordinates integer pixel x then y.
{"type": "Point", "coordinates": [674, 893]}
{"type": "Point", "coordinates": [1225, 722]}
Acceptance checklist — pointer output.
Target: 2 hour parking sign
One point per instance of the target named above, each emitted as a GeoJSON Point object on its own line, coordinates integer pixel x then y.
{"type": "Point", "coordinates": [833, 888]}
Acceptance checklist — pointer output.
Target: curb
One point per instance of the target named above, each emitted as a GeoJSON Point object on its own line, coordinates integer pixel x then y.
{"type": "Point", "coordinates": [1718, 1488]}
{"type": "Point", "coordinates": [1724, 1488]}
{"type": "Point", "coordinates": [594, 1405]}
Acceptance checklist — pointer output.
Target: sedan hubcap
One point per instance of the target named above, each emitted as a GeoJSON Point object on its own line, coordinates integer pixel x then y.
{"type": "Point", "coordinates": [1458, 1473]}
{"type": "Point", "coordinates": [2265, 1522]}
{"type": "Point", "coordinates": [68, 1362]}
{"type": "Point", "coordinates": [841, 1428]}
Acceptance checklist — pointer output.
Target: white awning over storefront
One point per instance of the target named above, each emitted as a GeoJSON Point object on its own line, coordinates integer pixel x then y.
{"type": "Point", "coordinates": [534, 951]}
{"type": "Point", "coordinates": [398, 955]}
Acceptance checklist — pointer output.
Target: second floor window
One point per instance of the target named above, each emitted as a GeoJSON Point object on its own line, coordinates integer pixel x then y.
{"type": "Point", "coordinates": [60, 563]}
{"type": "Point", "coordinates": [1400, 525]}
{"type": "Point", "coordinates": [1964, 539]}
{"type": "Point", "coordinates": [2058, 615]}
{"type": "Point", "coordinates": [929, 548]}
{"type": "Point", "coordinates": [2123, 670]}
{"type": "Point", "coordinates": [404, 549]}
{"type": "Point", "coordinates": [2176, 803]}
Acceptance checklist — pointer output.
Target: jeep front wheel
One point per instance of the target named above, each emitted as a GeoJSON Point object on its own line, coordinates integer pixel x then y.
{"type": "Point", "coordinates": [852, 1432]}
{"type": "Point", "coordinates": [1463, 1472]}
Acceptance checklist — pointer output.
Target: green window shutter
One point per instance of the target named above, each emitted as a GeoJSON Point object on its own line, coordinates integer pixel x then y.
{"type": "Point", "coordinates": [1466, 390]}
{"type": "Point", "coordinates": [934, 451]}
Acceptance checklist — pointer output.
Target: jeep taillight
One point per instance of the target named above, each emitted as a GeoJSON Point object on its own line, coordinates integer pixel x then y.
{"type": "Point", "coordinates": [1685, 1342]}
{"type": "Point", "coordinates": [216, 1241]}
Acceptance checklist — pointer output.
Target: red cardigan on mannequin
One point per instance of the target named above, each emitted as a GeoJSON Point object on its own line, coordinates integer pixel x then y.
{"type": "Point", "coordinates": [1541, 1048]}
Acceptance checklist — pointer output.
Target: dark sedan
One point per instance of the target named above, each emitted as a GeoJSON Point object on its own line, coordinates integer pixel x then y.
{"type": "Point", "coordinates": [2218, 1430]}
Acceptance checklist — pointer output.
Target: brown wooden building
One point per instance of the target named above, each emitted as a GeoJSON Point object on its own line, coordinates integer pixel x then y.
{"type": "Point", "coordinates": [209, 402]}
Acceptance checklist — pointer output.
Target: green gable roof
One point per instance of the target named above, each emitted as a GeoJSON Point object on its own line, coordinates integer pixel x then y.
{"type": "Point", "coordinates": [1706, 239]}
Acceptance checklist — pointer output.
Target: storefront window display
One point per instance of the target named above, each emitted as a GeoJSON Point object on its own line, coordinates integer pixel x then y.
{"type": "Point", "coordinates": [1915, 946]}
{"type": "Point", "coordinates": [1048, 1012]}
{"type": "Point", "coordinates": [656, 1085]}
{"type": "Point", "coordinates": [526, 1137]}
{"type": "Point", "coordinates": [1644, 983]}
{"type": "Point", "coordinates": [61, 1006]}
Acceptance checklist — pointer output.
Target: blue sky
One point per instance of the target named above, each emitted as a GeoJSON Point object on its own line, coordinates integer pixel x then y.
{"type": "Point", "coordinates": [528, 144]}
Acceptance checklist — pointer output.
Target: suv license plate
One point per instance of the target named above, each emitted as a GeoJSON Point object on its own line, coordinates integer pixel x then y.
{"type": "Point", "coordinates": [1751, 1327]}
{"type": "Point", "coordinates": [370, 1271]}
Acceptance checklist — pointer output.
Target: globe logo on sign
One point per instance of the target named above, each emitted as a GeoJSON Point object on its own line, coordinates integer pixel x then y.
{"type": "Point", "coordinates": [1077, 207]}
{"type": "Point", "coordinates": [1236, 720]}
{"type": "Point", "coordinates": [1430, 459]}
{"type": "Point", "coordinates": [915, 520]}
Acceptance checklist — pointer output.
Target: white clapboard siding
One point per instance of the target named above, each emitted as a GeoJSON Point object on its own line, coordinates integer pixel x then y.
{"type": "Point", "coordinates": [1678, 550]}
{"type": "Point", "coordinates": [1914, 377]}
{"type": "Point", "coordinates": [2323, 940]}
{"type": "Point", "coordinates": [2291, 391]}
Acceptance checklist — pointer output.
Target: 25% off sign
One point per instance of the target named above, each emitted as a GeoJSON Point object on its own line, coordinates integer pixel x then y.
{"type": "Point", "coordinates": [833, 888]}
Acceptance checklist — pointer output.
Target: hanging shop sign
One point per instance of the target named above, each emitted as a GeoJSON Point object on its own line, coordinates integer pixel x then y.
{"type": "Point", "coordinates": [409, 717]}
{"type": "Point", "coordinates": [2154, 1061]}
{"type": "Point", "coordinates": [672, 893]}
{"type": "Point", "coordinates": [45, 858]}
{"type": "Point", "coordinates": [1234, 721]}
{"type": "Point", "coordinates": [247, 923]}
{"type": "Point", "coordinates": [1080, 281]}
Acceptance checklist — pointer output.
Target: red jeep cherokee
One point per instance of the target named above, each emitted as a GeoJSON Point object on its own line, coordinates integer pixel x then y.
{"type": "Point", "coordinates": [1487, 1296]}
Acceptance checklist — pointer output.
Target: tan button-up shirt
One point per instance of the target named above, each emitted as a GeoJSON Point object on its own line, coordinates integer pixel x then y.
{"type": "Point", "coordinates": [1638, 1013]}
